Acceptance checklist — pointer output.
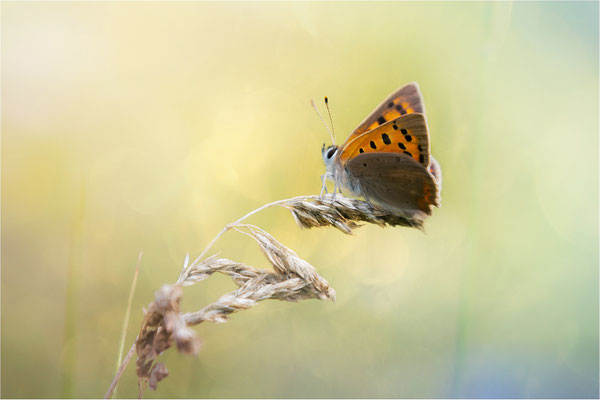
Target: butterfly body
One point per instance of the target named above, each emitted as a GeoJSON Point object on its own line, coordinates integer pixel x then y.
{"type": "Point", "coordinates": [387, 158]}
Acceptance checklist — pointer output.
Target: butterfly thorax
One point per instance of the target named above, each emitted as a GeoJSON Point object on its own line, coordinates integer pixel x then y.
{"type": "Point", "coordinates": [335, 171]}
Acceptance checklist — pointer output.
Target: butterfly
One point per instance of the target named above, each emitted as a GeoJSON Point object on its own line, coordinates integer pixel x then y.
{"type": "Point", "coordinates": [387, 158]}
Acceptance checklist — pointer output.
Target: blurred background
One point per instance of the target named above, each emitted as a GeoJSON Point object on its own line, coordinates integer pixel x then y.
{"type": "Point", "coordinates": [131, 127]}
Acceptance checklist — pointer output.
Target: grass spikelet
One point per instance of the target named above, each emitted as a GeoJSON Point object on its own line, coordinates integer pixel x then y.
{"type": "Point", "coordinates": [287, 263]}
{"type": "Point", "coordinates": [201, 270]}
{"type": "Point", "coordinates": [344, 213]}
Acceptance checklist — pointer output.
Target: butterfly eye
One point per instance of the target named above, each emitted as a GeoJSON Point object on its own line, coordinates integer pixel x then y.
{"type": "Point", "coordinates": [330, 153]}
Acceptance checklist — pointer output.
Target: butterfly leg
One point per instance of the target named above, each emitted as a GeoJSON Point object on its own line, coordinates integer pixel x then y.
{"type": "Point", "coordinates": [336, 187]}
{"type": "Point", "coordinates": [323, 186]}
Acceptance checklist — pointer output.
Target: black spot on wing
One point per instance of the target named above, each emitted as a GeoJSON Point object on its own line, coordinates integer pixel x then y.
{"type": "Point", "coordinates": [361, 150]}
{"type": "Point", "coordinates": [386, 138]}
{"type": "Point", "coordinates": [381, 120]}
{"type": "Point", "coordinates": [402, 146]}
{"type": "Point", "coordinates": [372, 144]}
{"type": "Point", "coordinates": [400, 109]}
{"type": "Point", "coordinates": [408, 138]}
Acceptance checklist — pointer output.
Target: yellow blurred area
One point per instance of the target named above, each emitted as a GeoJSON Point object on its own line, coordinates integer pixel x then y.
{"type": "Point", "coordinates": [148, 126]}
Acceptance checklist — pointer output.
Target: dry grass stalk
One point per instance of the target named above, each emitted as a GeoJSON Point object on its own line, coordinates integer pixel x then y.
{"type": "Point", "coordinates": [292, 279]}
{"type": "Point", "coordinates": [127, 313]}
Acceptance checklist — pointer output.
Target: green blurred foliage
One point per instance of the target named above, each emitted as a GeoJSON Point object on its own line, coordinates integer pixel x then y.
{"type": "Point", "coordinates": [149, 126]}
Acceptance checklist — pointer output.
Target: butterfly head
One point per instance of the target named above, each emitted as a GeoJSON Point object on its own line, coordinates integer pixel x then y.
{"type": "Point", "coordinates": [329, 154]}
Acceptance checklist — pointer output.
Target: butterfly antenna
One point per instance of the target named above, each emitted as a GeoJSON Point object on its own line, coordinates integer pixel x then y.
{"type": "Point", "coordinates": [322, 120]}
{"type": "Point", "coordinates": [330, 119]}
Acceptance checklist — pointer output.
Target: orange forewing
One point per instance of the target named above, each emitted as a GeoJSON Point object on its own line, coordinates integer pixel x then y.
{"type": "Point", "coordinates": [407, 134]}
{"type": "Point", "coordinates": [406, 100]}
